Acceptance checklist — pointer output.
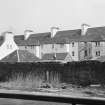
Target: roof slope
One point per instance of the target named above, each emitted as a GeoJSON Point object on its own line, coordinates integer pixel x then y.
{"type": "Point", "coordinates": [61, 56]}
{"type": "Point", "coordinates": [56, 56]}
{"type": "Point", "coordinates": [65, 36]}
{"type": "Point", "coordinates": [50, 56]}
{"type": "Point", "coordinates": [20, 56]}
{"type": "Point", "coordinates": [94, 34]}
{"type": "Point", "coordinates": [69, 33]}
{"type": "Point", "coordinates": [34, 39]}
{"type": "Point", "coordinates": [10, 58]}
{"type": "Point", "coordinates": [45, 38]}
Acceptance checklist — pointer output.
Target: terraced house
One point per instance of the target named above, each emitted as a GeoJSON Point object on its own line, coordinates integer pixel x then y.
{"type": "Point", "coordinates": [87, 43]}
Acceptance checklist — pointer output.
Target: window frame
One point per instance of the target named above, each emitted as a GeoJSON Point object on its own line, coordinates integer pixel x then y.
{"type": "Point", "coordinates": [73, 53]}
{"type": "Point", "coordinates": [97, 43]}
{"type": "Point", "coordinates": [73, 44]}
{"type": "Point", "coordinates": [97, 53]}
{"type": "Point", "coordinates": [85, 53]}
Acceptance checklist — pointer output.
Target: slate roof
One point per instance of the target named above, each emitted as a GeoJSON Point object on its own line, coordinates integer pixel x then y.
{"type": "Point", "coordinates": [1, 40]}
{"type": "Point", "coordinates": [52, 56]}
{"type": "Point", "coordinates": [92, 34]}
{"type": "Point", "coordinates": [95, 34]}
{"type": "Point", "coordinates": [61, 56]}
{"type": "Point", "coordinates": [45, 38]}
{"type": "Point", "coordinates": [34, 39]}
{"type": "Point", "coordinates": [24, 56]}
{"type": "Point", "coordinates": [65, 36]}
{"type": "Point", "coordinates": [69, 33]}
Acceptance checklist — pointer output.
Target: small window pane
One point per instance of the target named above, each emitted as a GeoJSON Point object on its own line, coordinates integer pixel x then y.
{"type": "Point", "coordinates": [72, 44]}
{"type": "Point", "coordinates": [72, 53]}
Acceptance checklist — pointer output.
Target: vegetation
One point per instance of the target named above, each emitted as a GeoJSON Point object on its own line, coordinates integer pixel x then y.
{"type": "Point", "coordinates": [30, 81]}
{"type": "Point", "coordinates": [53, 73]}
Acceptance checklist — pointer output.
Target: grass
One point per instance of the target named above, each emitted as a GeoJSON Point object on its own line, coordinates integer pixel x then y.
{"type": "Point", "coordinates": [36, 81]}
{"type": "Point", "coordinates": [31, 81]}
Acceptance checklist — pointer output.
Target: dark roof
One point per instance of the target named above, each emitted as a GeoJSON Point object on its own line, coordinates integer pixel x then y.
{"type": "Point", "coordinates": [45, 38]}
{"type": "Point", "coordinates": [61, 56]}
{"type": "Point", "coordinates": [92, 38]}
{"type": "Point", "coordinates": [10, 58]}
{"type": "Point", "coordinates": [1, 40]}
{"type": "Point", "coordinates": [53, 56]}
{"type": "Point", "coordinates": [66, 36]}
{"type": "Point", "coordinates": [26, 56]}
{"type": "Point", "coordinates": [50, 56]}
{"type": "Point", "coordinates": [21, 56]}
{"type": "Point", "coordinates": [96, 31]}
{"type": "Point", "coordinates": [69, 33]}
{"type": "Point", "coordinates": [94, 34]}
{"type": "Point", "coordinates": [34, 39]}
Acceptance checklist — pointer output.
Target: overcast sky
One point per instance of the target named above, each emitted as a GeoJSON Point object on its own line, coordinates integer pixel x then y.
{"type": "Point", "coordinates": [40, 15]}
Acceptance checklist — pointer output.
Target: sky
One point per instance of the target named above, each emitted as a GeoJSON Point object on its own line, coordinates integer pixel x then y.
{"type": "Point", "coordinates": [41, 15]}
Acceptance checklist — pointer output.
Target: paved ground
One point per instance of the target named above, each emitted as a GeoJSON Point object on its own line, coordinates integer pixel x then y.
{"type": "Point", "coordinates": [89, 93]}
{"type": "Point", "coordinates": [26, 102]}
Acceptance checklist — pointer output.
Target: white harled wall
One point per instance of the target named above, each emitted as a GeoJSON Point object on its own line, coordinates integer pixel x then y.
{"type": "Point", "coordinates": [8, 46]}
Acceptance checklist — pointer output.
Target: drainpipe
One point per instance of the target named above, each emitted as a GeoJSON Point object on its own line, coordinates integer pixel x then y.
{"type": "Point", "coordinates": [18, 56]}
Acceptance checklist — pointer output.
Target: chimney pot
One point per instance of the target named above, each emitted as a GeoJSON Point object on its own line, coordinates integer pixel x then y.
{"type": "Point", "coordinates": [8, 35]}
{"type": "Point", "coordinates": [27, 33]}
{"type": "Point", "coordinates": [54, 30]}
{"type": "Point", "coordinates": [84, 28]}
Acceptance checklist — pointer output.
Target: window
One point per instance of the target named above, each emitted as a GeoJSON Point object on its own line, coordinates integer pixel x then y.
{"type": "Point", "coordinates": [97, 44]}
{"type": "Point", "coordinates": [9, 46]}
{"type": "Point", "coordinates": [72, 53]}
{"type": "Point", "coordinates": [52, 46]}
{"type": "Point", "coordinates": [86, 53]}
{"type": "Point", "coordinates": [97, 53]}
{"type": "Point", "coordinates": [72, 44]}
{"type": "Point", "coordinates": [25, 47]}
{"type": "Point", "coordinates": [85, 43]}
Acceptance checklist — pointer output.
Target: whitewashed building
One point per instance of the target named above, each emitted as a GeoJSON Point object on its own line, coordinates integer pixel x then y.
{"type": "Point", "coordinates": [87, 43]}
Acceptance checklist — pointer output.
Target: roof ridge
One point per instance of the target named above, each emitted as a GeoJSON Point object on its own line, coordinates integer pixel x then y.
{"type": "Point", "coordinates": [96, 27]}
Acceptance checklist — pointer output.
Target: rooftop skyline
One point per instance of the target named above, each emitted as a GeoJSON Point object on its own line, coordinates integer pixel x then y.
{"type": "Point", "coordinates": [41, 15]}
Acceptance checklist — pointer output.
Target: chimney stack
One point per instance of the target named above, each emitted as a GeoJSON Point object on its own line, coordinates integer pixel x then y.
{"type": "Point", "coordinates": [54, 30]}
{"type": "Point", "coordinates": [8, 46]}
{"type": "Point", "coordinates": [27, 34]}
{"type": "Point", "coordinates": [84, 28]}
{"type": "Point", "coordinates": [8, 36]}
